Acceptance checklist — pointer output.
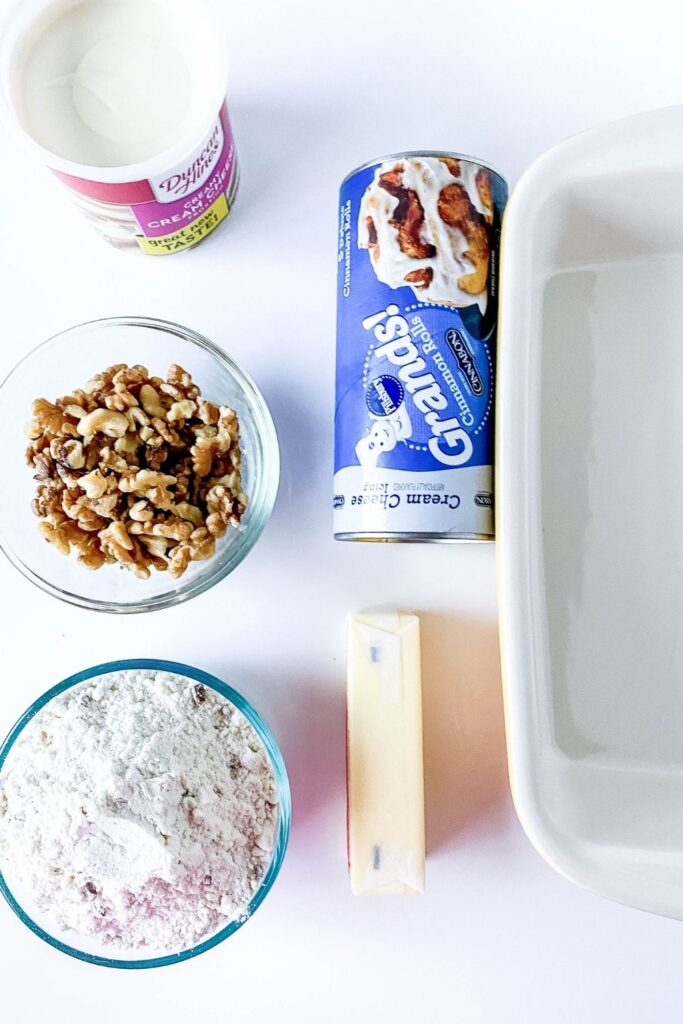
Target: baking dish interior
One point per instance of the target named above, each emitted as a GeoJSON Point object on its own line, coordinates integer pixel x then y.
{"type": "Point", "coordinates": [590, 507]}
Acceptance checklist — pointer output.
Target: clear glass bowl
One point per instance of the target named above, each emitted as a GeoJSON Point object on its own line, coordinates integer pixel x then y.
{"type": "Point", "coordinates": [89, 950]}
{"type": "Point", "coordinates": [68, 361]}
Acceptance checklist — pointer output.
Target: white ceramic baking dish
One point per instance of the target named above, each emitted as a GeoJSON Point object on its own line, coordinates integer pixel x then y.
{"type": "Point", "coordinates": [590, 507]}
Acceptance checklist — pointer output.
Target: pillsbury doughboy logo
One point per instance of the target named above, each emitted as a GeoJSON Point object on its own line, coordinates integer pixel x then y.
{"type": "Point", "coordinates": [384, 396]}
{"type": "Point", "coordinates": [390, 422]}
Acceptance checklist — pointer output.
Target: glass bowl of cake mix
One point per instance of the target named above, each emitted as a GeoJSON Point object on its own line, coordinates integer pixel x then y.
{"type": "Point", "coordinates": [140, 465]}
{"type": "Point", "coordinates": [144, 814]}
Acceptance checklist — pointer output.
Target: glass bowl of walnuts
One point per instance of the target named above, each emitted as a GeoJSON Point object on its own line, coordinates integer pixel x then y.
{"type": "Point", "coordinates": [144, 465]}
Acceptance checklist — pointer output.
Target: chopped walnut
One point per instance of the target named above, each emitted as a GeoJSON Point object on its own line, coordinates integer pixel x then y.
{"type": "Point", "coordinates": [136, 471]}
{"type": "Point", "coordinates": [203, 454]}
{"type": "Point", "coordinates": [50, 420]}
{"type": "Point", "coordinates": [181, 410]}
{"type": "Point", "coordinates": [141, 512]}
{"type": "Point", "coordinates": [156, 545]}
{"type": "Point", "coordinates": [192, 513]}
{"type": "Point", "coordinates": [166, 433]}
{"type": "Point", "coordinates": [120, 400]}
{"type": "Point", "coordinates": [215, 525]}
{"type": "Point", "coordinates": [207, 411]}
{"type": "Point", "coordinates": [103, 421]}
{"type": "Point", "coordinates": [150, 401]}
{"type": "Point", "coordinates": [175, 528]}
{"type": "Point", "coordinates": [94, 484]}
{"type": "Point", "coordinates": [179, 559]}
{"type": "Point", "coordinates": [127, 445]}
{"type": "Point", "coordinates": [67, 451]}
{"type": "Point", "coordinates": [223, 503]}
{"type": "Point", "coordinates": [110, 460]}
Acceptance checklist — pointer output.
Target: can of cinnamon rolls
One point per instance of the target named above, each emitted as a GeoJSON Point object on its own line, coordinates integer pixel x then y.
{"type": "Point", "coordinates": [417, 255]}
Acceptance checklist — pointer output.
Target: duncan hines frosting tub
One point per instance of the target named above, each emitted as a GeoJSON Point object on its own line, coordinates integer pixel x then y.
{"type": "Point", "coordinates": [124, 101]}
{"type": "Point", "coordinates": [589, 499]}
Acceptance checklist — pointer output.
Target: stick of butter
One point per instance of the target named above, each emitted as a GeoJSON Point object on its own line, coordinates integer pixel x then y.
{"type": "Point", "coordinates": [386, 836]}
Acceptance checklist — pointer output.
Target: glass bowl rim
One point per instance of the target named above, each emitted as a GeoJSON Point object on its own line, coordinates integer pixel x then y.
{"type": "Point", "coordinates": [281, 781]}
{"type": "Point", "coordinates": [266, 430]}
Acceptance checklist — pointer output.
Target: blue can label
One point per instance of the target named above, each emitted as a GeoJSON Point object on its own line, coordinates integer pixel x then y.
{"type": "Point", "coordinates": [416, 318]}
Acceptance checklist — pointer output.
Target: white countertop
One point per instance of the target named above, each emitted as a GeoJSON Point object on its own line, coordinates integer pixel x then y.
{"type": "Point", "coordinates": [498, 938]}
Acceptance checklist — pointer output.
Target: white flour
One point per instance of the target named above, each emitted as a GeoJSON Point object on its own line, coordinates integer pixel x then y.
{"type": "Point", "coordinates": [140, 808]}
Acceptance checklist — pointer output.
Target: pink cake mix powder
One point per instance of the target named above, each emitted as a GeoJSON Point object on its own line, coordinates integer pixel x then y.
{"type": "Point", "coordinates": [141, 808]}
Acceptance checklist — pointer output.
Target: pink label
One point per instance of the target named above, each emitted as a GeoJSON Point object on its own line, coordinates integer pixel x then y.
{"type": "Point", "coordinates": [179, 196]}
{"type": "Point", "coordinates": [118, 194]}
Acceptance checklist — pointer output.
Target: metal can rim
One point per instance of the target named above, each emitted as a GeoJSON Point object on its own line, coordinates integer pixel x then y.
{"type": "Point", "coordinates": [426, 152]}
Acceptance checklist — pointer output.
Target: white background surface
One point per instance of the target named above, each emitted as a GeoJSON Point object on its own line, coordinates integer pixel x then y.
{"type": "Point", "coordinates": [498, 938]}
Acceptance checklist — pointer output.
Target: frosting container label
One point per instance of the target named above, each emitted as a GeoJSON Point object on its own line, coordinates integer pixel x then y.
{"type": "Point", "coordinates": [417, 304]}
{"type": "Point", "coordinates": [178, 208]}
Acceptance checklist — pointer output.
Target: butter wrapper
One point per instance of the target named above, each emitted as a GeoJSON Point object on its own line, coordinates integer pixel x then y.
{"type": "Point", "coordinates": [385, 778]}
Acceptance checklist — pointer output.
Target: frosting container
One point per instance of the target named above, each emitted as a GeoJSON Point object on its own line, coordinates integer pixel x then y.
{"type": "Point", "coordinates": [417, 258]}
{"type": "Point", "coordinates": [124, 101]}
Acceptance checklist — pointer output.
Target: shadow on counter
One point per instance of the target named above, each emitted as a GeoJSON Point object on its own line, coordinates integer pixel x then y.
{"type": "Point", "coordinates": [466, 781]}
{"type": "Point", "coordinates": [316, 760]}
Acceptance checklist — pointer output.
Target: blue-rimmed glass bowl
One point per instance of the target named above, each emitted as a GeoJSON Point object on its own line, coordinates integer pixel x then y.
{"type": "Point", "coordinates": [88, 948]}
